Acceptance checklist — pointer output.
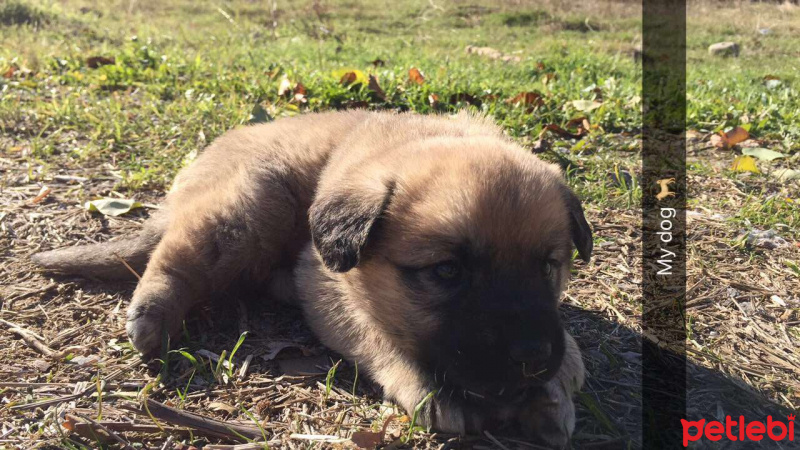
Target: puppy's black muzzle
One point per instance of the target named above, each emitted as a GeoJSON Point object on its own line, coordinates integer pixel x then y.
{"type": "Point", "coordinates": [499, 354]}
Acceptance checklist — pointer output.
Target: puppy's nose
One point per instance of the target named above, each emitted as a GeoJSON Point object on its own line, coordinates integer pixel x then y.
{"type": "Point", "coordinates": [532, 353]}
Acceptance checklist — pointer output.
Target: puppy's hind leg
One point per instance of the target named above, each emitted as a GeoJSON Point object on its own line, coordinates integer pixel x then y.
{"type": "Point", "coordinates": [210, 242]}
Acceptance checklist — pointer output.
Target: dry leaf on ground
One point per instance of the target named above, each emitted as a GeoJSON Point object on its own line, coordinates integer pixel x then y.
{"type": "Point", "coordinates": [744, 163]}
{"type": "Point", "coordinates": [729, 139]}
{"type": "Point", "coordinates": [416, 76]}
{"type": "Point", "coordinates": [93, 62]}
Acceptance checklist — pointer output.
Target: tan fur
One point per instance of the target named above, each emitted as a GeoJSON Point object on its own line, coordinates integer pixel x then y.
{"type": "Point", "coordinates": [241, 211]}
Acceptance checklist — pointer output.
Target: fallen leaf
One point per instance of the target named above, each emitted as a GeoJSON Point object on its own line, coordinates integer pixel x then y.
{"type": "Point", "coordinates": [586, 105]}
{"type": "Point", "coordinates": [284, 87]}
{"type": "Point", "coordinates": [276, 347]}
{"type": "Point", "coordinates": [220, 406]}
{"type": "Point", "coordinates": [737, 135]}
{"type": "Point", "coordinates": [744, 163]}
{"type": "Point", "coordinates": [531, 99]}
{"type": "Point", "coordinates": [465, 98]}
{"type": "Point", "coordinates": [763, 154]}
{"type": "Point", "coordinates": [43, 193]}
{"type": "Point", "coordinates": [778, 301]}
{"type": "Point", "coordinates": [581, 123]}
{"type": "Point", "coordinates": [371, 439]}
{"type": "Point", "coordinates": [68, 423]}
{"type": "Point", "coordinates": [433, 99]}
{"type": "Point", "coordinates": [97, 61]}
{"type": "Point", "coordinates": [348, 76]}
{"type": "Point", "coordinates": [376, 88]}
{"type": "Point", "coordinates": [10, 72]}
{"type": "Point", "coordinates": [729, 139]}
{"type": "Point", "coordinates": [112, 206]}
{"type": "Point", "coordinates": [541, 146]}
{"type": "Point", "coordinates": [366, 439]}
{"type": "Point", "coordinates": [416, 76]}
{"type": "Point", "coordinates": [786, 174]}
{"type": "Point", "coordinates": [299, 92]}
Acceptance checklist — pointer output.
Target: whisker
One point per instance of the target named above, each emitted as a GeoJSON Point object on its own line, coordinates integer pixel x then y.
{"type": "Point", "coordinates": [532, 375]}
{"type": "Point", "coordinates": [473, 394]}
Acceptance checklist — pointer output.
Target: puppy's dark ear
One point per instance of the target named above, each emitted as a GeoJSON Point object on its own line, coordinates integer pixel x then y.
{"type": "Point", "coordinates": [341, 222]}
{"type": "Point", "coordinates": [579, 228]}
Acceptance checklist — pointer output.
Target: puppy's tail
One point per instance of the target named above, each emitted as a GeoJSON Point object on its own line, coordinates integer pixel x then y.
{"type": "Point", "coordinates": [105, 261]}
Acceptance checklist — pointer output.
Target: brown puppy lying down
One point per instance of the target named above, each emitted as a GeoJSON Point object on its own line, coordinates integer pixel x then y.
{"type": "Point", "coordinates": [432, 250]}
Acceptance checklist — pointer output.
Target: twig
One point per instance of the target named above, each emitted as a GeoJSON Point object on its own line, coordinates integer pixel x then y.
{"type": "Point", "coordinates": [123, 427]}
{"type": "Point", "coordinates": [494, 440]}
{"type": "Point", "coordinates": [41, 290]}
{"type": "Point", "coordinates": [168, 443]}
{"type": "Point", "coordinates": [127, 266]}
{"type": "Point", "coordinates": [125, 444]}
{"type": "Point", "coordinates": [16, 325]}
{"type": "Point", "coordinates": [206, 425]}
{"type": "Point", "coordinates": [87, 391]}
{"type": "Point", "coordinates": [30, 339]}
{"type": "Point", "coordinates": [250, 446]}
{"type": "Point", "coordinates": [326, 438]}
{"type": "Point", "coordinates": [245, 367]}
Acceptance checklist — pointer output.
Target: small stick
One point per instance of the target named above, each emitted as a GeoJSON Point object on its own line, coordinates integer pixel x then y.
{"type": "Point", "coordinates": [168, 443]}
{"type": "Point", "coordinates": [33, 292]}
{"type": "Point", "coordinates": [125, 444]}
{"type": "Point", "coordinates": [122, 427]}
{"type": "Point", "coordinates": [30, 339]}
{"type": "Point", "coordinates": [494, 440]}
{"type": "Point", "coordinates": [197, 422]}
{"type": "Point", "coordinates": [128, 266]}
{"type": "Point", "coordinates": [16, 325]}
{"type": "Point", "coordinates": [250, 446]}
{"type": "Point", "coordinates": [87, 391]}
{"type": "Point", "coordinates": [245, 367]}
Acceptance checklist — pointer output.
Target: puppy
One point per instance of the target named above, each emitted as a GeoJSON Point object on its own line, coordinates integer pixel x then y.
{"type": "Point", "coordinates": [431, 250]}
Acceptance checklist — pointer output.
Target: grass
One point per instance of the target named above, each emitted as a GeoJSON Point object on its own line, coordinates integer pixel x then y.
{"type": "Point", "coordinates": [175, 75]}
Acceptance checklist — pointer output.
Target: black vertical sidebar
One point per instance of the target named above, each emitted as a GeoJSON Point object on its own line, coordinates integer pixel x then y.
{"type": "Point", "coordinates": [663, 222]}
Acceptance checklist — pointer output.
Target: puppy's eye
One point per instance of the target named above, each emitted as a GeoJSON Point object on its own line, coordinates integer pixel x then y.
{"type": "Point", "coordinates": [447, 271]}
{"type": "Point", "coordinates": [548, 267]}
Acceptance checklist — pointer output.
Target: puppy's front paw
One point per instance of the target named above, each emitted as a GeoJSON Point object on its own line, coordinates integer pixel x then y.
{"type": "Point", "coordinates": [550, 418]}
{"type": "Point", "coordinates": [439, 413]}
{"type": "Point", "coordinates": [150, 317]}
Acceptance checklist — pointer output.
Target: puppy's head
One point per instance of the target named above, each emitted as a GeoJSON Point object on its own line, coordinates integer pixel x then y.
{"type": "Point", "coordinates": [458, 248]}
